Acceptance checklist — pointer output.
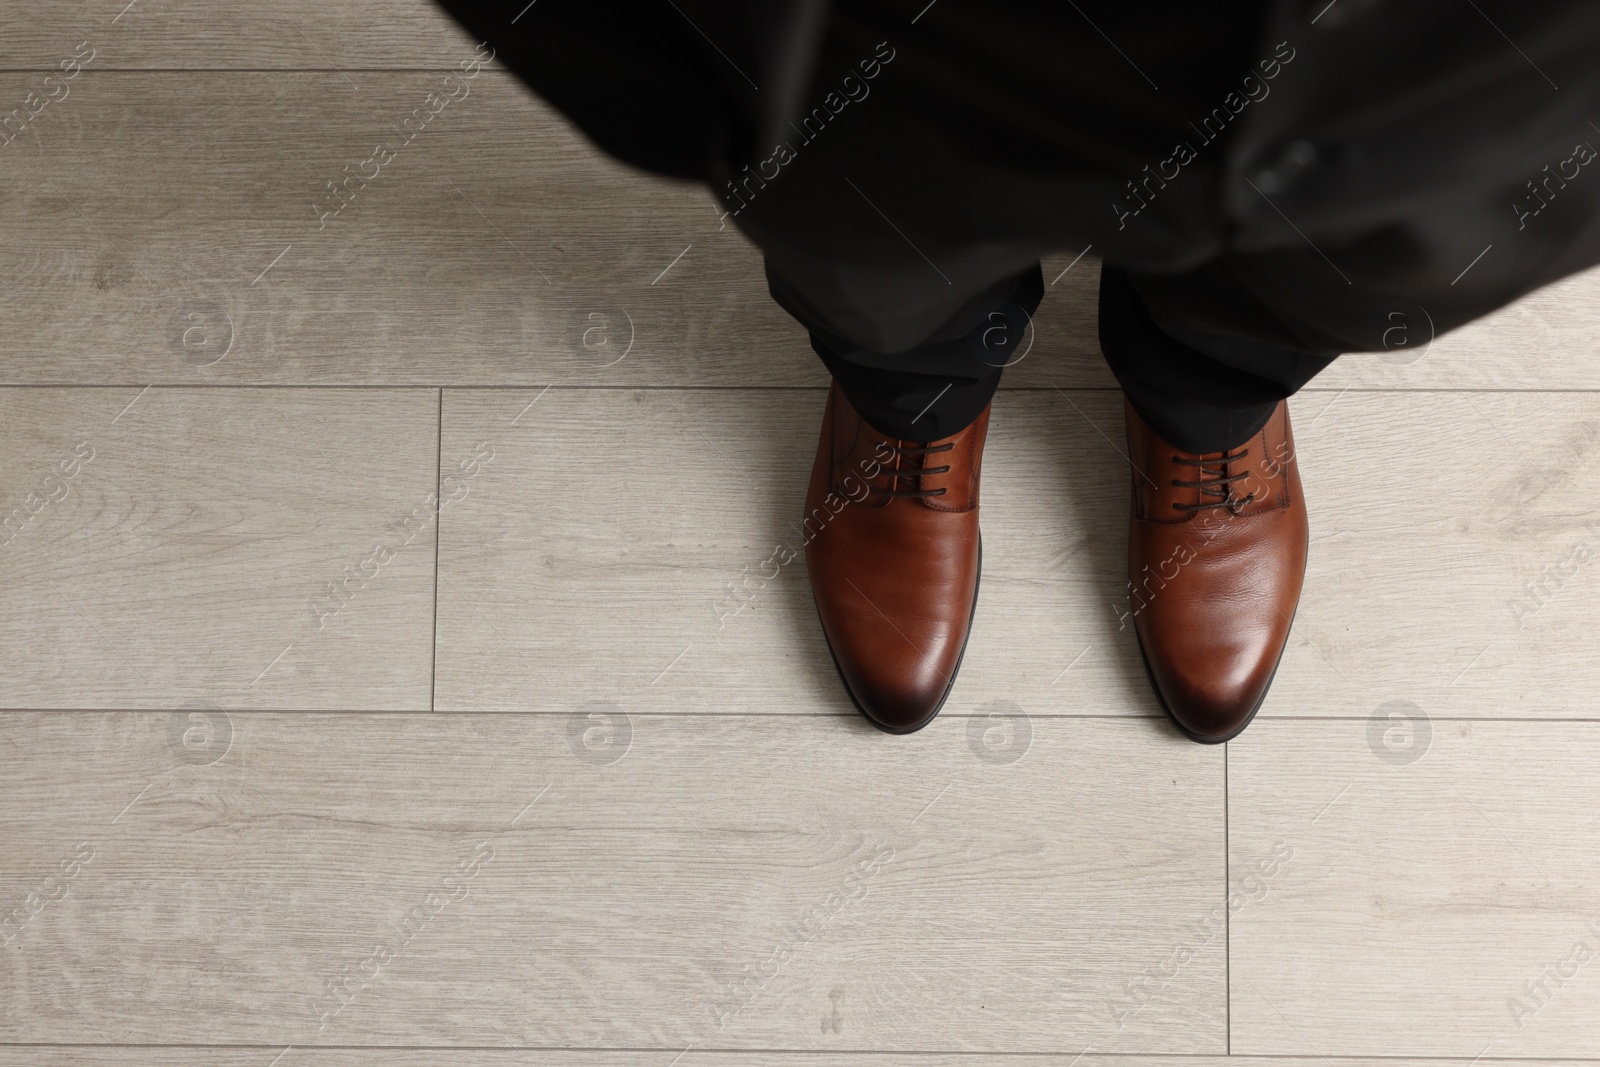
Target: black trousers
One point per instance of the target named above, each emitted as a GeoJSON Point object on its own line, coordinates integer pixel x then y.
{"type": "Point", "coordinates": [905, 235]}
{"type": "Point", "coordinates": [1202, 399]}
{"type": "Point", "coordinates": [1204, 355]}
{"type": "Point", "coordinates": [1270, 183]}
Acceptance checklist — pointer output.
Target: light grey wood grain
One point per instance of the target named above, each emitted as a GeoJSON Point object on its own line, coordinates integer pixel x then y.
{"type": "Point", "coordinates": [192, 34]}
{"type": "Point", "coordinates": [1453, 545]}
{"type": "Point", "coordinates": [180, 556]}
{"type": "Point", "coordinates": [1421, 898]}
{"type": "Point", "coordinates": [315, 1057]}
{"type": "Point", "coordinates": [496, 248]}
{"type": "Point", "coordinates": [953, 902]}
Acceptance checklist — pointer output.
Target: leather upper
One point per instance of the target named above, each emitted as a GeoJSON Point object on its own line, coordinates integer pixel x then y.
{"type": "Point", "coordinates": [1216, 559]}
{"type": "Point", "coordinates": [893, 554]}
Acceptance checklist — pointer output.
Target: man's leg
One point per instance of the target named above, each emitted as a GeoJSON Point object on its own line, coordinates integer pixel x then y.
{"type": "Point", "coordinates": [1202, 393]}
{"type": "Point", "coordinates": [1218, 536]}
{"type": "Point", "coordinates": [891, 527]}
{"type": "Point", "coordinates": [939, 386]}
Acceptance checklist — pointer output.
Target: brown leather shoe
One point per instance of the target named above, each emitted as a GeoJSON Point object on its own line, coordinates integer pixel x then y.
{"type": "Point", "coordinates": [892, 547]}
{"type": "Point", "coordinates": [1216, 558]}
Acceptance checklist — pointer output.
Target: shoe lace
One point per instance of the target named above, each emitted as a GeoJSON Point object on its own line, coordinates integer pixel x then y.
{"type": "Point", "coordinates": [1214, 480]}
{"type": "Point", "coordinates": [901, 471]}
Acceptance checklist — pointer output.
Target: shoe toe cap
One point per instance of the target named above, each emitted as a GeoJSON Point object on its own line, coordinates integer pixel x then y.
{"type": "Point", "coordinates": [1215, 707]}
{"type": "Point", "coordinates": [899, 701]}
{"type": "Point", "coordinates": [1212, 687]}
{"type": "Point", "coordinates": [898, 680]}
{"type": "Point", "coordinates": [895, 594]}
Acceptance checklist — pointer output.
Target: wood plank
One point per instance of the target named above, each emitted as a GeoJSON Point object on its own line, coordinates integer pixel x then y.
{"type": "Point", "coordinates": [1453, 537]}
{"type": "Point", "coordinates": [1421, 899]}
{"type": "Point", "coordinates": [189, 34]}
{"type": "Point", "coordinates": [538, 262]}
{"type": "Point", "coordinates": [48, 1056]}
{"type": "Point", "coordinates": [170, 546]}
{"type": "Point", "coordinates": [953, 902]}
{"type": "Point", "coordinates": [533, 583]}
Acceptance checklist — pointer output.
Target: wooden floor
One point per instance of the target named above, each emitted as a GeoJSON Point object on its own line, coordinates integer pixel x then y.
{"type": "Point", "coordinates": [301, 768]}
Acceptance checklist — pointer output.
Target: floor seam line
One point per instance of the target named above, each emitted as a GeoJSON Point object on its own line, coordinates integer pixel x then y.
{"type": "Point", "coordinates": [438, 524]}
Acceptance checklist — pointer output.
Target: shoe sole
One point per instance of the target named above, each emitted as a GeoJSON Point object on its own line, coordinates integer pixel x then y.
{"type": "Point", "coordinates": [954, 671]}
{"type": "Point", "coordinates": [1201, 739]}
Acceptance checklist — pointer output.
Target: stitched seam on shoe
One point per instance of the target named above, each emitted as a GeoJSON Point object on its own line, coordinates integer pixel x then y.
{"type": "Point", "coordinates": [834, 459]}
{"type": "Point", "coordinates": [1283, 469]}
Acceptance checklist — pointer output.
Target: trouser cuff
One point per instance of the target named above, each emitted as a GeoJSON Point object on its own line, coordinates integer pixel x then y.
{"type": "Point", "coordinates": [940, 387]}
{"type": "Point", "coordinates": [1201, 392]}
